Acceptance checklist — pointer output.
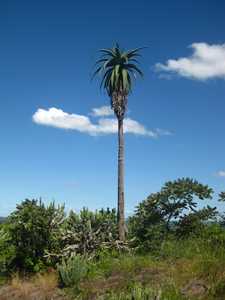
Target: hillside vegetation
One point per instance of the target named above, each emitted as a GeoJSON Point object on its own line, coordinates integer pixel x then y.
{"type": "Point", "coordinates": [173, 250]}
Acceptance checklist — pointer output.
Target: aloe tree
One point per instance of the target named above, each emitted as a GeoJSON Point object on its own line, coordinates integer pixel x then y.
{"type": "Point", "coordinates": [118, 68]}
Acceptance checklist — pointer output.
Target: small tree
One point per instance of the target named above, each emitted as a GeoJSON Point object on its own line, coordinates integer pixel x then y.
{"type": "Point", "coordinates": [156, 216]}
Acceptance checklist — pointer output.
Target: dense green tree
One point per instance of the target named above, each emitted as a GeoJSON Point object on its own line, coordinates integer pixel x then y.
{"type": "Point", "coordinates": [33, 228]}
{"type": "Point", "coordinates": [118, 68]}
{"type": "Point", "coordinates": [156, 216]}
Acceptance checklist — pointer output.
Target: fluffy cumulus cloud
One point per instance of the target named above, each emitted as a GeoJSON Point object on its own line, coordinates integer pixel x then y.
{"type": "Point", "coordinates": [58, 118]}
{"type": "Point", "coordinates": [221, 173]}
{"type": "Point", "coordinates": [206, 62]}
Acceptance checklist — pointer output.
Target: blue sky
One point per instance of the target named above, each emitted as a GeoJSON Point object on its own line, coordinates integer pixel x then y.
{"type": "Point", "coordinates": [47, 53]}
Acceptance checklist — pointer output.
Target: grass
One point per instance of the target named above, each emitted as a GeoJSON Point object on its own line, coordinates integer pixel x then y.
{"type": "Point", "coordinates": [191, 269]}
{"type": "Point", "coordinates": [39, 287]}
{"type": "Point", "coordinates": [184, 268]}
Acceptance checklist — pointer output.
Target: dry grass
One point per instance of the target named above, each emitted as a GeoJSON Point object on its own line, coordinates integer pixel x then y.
{"type": "Point", "coordinates": [39, 287]}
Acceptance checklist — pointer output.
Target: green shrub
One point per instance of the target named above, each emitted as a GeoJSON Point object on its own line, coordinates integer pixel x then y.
{"type": "Point", "coordinates": [7, 251]}
{"type": "Point", "coordinates": [33, 229]}
{"type": "Point", "coordinates": [72, 271]}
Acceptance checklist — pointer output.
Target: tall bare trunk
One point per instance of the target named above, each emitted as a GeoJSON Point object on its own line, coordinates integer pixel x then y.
{"type": "Point", "coordinates": [121, 218]}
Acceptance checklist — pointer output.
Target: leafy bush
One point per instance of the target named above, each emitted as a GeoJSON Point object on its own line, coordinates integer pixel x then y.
{"type": "Point", "coordinates": [72, 271]}
{"type": "Point", "coordinates": [41, 235]}
{"type": "Point", "coordinates": [32, 229]}
{"type": "Point", "coordinates": [7, 250]}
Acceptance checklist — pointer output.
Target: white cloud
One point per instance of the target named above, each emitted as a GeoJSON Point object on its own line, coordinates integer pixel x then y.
{"type": "Point", "coordinates": [102, 111]}
{"type": "Point", "coordinates": [221, 173]}
{"type": "Point", "coordinates": [206, 62]}
{"type": "Point", "coordinates": [107, 125]}
{"type": "Point", "coordinates": [58, 118]}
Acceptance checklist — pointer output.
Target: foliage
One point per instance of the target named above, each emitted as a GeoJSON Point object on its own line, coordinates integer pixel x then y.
{"type": "Point", "coordinates": [214, 235]}
{"type": "Point", "coordinates": [32, 228]}
{"type": "Point", "coordinates": [222, 196]}
{"type": "Point", "coordinates": [118, 67]}
{"type": "Point", "coordinates": [7, 250]}
{"type": "Point", "coordinates": [186, 250]}
{"type": "Point", "coordinates": [155, 217]}
{"type": "Point", "coordinates": [194, 223]}
{"type": "Point", "coordinates": [87, 233]}
{"type": "Point", "coordinates": [72, 271]}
